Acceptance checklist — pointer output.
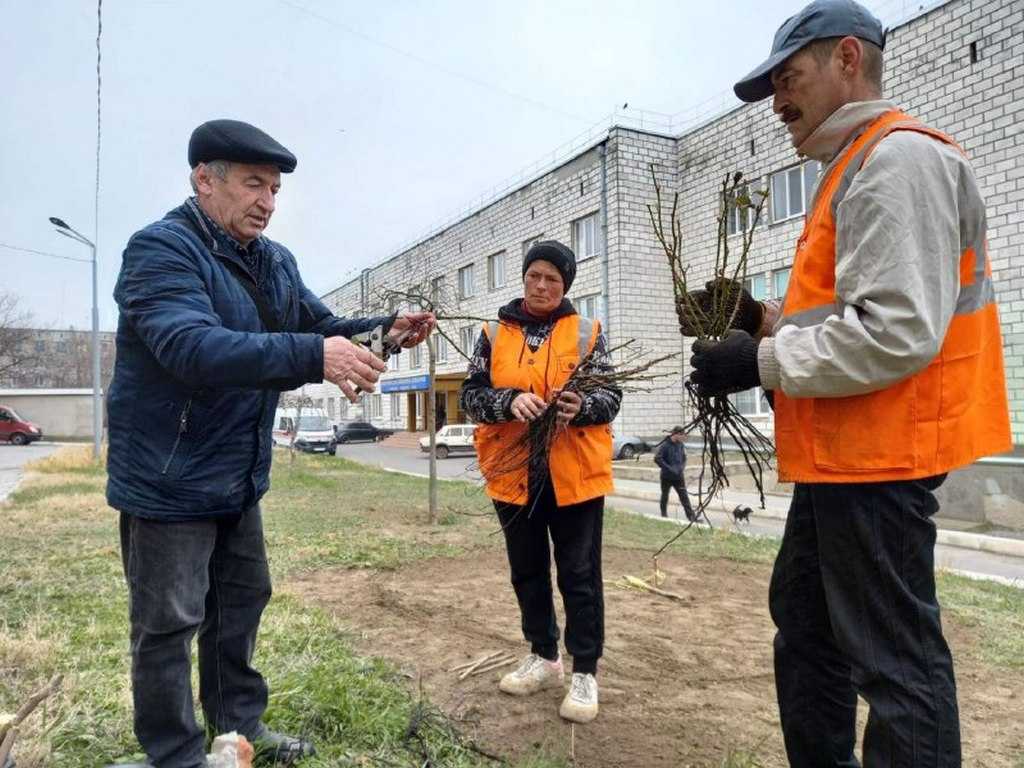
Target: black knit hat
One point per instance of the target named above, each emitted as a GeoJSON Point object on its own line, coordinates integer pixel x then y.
{"type": "Point", "coordinates": [237, 142]}
{"type": "Point", "coordinates": [559, 255]}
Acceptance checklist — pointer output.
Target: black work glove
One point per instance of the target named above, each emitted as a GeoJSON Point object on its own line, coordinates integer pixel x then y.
{"type": "Point", "coordinates": [748, 317]}
{"type": "Point", "coordinates": [723, 367]}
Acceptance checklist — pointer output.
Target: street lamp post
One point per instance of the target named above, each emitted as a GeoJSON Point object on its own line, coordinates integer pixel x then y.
{"type": "Point", "coordinates": [97, 406]}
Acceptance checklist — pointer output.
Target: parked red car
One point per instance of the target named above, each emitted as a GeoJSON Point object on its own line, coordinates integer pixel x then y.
{"type": "Point", "coordinates": [15, 429]}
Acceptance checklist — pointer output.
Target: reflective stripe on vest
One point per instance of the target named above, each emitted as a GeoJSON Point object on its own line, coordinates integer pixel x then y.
{"type": "Point", "coordinates": [944, 416]}
{"type": "Point", "coordinates": [584, 342]}
{"type": "Point", "coordinates": [579, 459]}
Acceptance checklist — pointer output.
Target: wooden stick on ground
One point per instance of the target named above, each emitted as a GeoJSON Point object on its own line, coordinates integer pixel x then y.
{"type": "Point", "coordinates": [6, 744]}
{"type": "Point", "coordinates": [643, 585]}
{"type": "Point", "coordinates": [9, 729]}
{"type": "Point", "coordinates": [489, 657]}
{"type": "Point", "coordinates": [460, 667]}
{"type": "Point", "coordinates": [496, 664]}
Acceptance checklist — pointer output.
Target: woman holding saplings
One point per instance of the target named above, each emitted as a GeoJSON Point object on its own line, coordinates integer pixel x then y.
{"type": "Point", "coordinates": [545, 452]}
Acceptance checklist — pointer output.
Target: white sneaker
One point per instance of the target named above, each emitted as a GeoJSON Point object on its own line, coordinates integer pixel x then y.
{"type": "Point", "coordinates": [580, 703]}
{"type": "Point", "coordinates": [535, 674]}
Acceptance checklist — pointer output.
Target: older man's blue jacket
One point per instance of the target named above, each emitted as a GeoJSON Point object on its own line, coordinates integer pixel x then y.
{"type": "Point", "coordinates": [191, 405]}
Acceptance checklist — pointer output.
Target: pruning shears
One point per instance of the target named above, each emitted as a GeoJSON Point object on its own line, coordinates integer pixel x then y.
{"type": "Point", "coordinates": [380, 343]}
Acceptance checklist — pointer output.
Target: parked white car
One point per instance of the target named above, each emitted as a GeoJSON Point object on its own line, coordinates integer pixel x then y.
{"type": "Point", "coordinates": [453, 437]}
{"type": "Point", "coordinates": [312, 429]}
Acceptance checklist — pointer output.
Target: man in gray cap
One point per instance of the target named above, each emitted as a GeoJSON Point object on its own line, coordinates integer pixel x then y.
{"type": "Point", "coordinates": [214, 321]}
{"type": "Point", "coordinates": [885, 365]}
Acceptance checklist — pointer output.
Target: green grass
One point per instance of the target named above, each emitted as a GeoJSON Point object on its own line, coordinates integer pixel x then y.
{"type": "Point", "coordinates": [995, 611]}
{"type": "Point", "coordinates": [63, 609]}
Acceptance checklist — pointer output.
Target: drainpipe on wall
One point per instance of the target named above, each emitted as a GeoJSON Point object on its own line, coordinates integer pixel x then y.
{"type": "Point", "coordinates": [602, 150]}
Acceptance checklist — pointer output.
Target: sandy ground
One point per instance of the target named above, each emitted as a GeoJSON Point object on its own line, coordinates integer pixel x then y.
{"type": "Point", "coordinates": [682, 683]}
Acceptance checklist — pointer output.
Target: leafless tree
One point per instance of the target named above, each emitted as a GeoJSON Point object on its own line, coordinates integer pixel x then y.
{"type": "Point", "coordinates": [18, 356]}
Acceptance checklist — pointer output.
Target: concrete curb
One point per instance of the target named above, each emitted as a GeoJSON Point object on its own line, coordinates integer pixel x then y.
{"type": "Point", "coordinates": [977, 541]}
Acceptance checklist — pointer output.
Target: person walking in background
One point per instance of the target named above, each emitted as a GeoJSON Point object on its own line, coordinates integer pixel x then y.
{"type": "Point", "coordinates": [671, 457]}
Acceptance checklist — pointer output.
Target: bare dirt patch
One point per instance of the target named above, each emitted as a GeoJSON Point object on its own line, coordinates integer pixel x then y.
{"type": "Point", "coordinates": [682, 684]}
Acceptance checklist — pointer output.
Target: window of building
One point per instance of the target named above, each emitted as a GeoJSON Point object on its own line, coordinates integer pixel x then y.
{"type": "Point", "coordinates": [440, 348]}
{"type": "Point", "coordinates": [751, 402]}
{"type": "Point", "coordinates": [757, 285]}
{"type": "Point", "coordinates": [466, 282]}
{"type": "Point", "coordinates": [396, 406]}
{"type": "Point", "coordinates": [393, 363]}
{"type": "Point", "coordinates": [437, 289]}
{"type": "Point", "coordinates": [585, 236]}
{"type": "Point", "coordinates": [62, 346]}
{"type": "Point", "coordinates": [739, 218]}
{"type": "Point", "coordinates": [40, 346]}
{"type": "Point", "coordinates": [376, 406]}
{"type": "Point", "coordinates": [589, 306]}
{"type": "Point", "coordinates": [528, 244]}
{"type": "Point", "coordinates": [496, 271]}
{"type": "Point", "coordinates": [414, 356]}
{"type": "Point", "coordinates": [342, 408]}
{"type": "Point", "coordinates": [330, 408]}
{"type": "Point", "coordinates": [780, 282]}
{"type": "Point", "coordinates": [792, 190]}
{"type": "Point", "coordinates": [467, 337]}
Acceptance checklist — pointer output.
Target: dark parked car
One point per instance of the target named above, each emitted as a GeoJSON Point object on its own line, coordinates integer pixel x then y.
{"type": "Point", "coordinates": [356, 431]}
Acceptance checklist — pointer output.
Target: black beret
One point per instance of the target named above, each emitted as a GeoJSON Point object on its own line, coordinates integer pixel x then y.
{"type": "Point", "coordinates": [237, 142]}
{"type": "Point", "coordinates": [556, 253]}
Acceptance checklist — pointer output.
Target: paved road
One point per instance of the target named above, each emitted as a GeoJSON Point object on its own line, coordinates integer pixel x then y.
{"type": "Point", "coordinates": [462, 467]}
{"type": "Point", "coordinates": [14, 457]}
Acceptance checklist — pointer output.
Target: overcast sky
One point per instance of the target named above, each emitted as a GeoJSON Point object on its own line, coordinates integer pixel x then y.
{"type": "Point", "coordinates": [399, 112]}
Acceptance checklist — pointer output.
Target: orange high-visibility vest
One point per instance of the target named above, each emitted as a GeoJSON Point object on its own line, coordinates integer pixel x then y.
{"type": "Point", "coordinates": [943, 417]}
{"type": "Point", "coordinates": [580, 460]}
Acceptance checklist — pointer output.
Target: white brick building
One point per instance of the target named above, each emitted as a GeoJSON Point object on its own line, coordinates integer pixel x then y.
{"type": "Point", "coordinates": [958, 67]}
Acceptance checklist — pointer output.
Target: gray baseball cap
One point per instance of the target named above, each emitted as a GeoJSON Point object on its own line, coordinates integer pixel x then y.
{"type": "Point", "coordinates": [820, 19]}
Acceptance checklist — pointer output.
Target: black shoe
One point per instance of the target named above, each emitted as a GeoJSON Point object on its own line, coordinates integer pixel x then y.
{"type": "Point", "coordinates": [273, 748]}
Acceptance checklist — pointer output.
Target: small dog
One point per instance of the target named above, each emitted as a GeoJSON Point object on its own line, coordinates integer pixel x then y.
{"type": "Point", "coordinates": [742, 514]}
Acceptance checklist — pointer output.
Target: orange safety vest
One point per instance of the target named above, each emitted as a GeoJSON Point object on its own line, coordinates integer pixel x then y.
{"type": "Point", "coordinates": [580, 460]}
{"type": "Point", "coordinates": [943, 417]}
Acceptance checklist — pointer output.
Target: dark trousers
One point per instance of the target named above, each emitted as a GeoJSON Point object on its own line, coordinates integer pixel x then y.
{"type": "Point", "coordinates": [676, 483]}
{"type": "Point", "coordinates": [853, 597]}
{"type": "Point", "coordinates": [208, 577]}
{"type": "Point", "coordinates": [576, 534]}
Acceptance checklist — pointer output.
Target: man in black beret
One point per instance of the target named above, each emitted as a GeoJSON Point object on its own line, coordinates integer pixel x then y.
{"type": "Point", "coordinates": [214, 321]}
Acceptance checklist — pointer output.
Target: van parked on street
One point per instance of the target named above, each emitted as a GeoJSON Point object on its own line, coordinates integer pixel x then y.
{"type": "Point", "coordinates": [311, 429]}
{"type": "Point", "coordinates": [15, 429]}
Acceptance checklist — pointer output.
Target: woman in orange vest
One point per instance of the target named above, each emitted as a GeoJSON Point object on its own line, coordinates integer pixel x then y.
{"type": "Point", "coordinates": [885, 362]}
{"type": "Point", "coordinates": [520, 367]}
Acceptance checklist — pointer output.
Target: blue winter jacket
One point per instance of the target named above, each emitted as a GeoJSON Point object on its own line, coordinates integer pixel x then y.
{"type": "Point", "coordinates": [196, 381]}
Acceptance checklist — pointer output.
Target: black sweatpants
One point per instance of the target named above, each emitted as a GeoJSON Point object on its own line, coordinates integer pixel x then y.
{"type": "Point", "coordinates": [853, 597]}
{"type": "Point", "coordinates": [575, 531]}
{"type": "Point", "coordinates": [676, 483]}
